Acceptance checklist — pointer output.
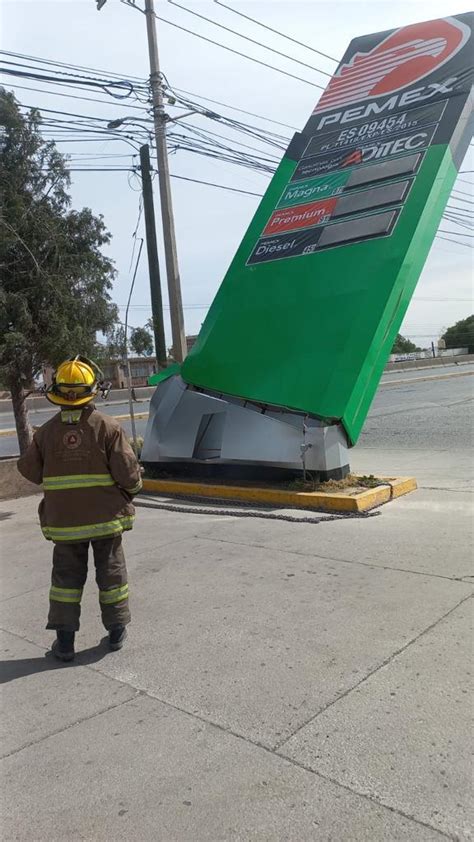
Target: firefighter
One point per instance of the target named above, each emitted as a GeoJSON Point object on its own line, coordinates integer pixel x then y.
{"type": "Point", "coordinates": [90, 475]}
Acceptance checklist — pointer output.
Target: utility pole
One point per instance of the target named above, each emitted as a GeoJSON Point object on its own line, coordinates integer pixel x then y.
{"type": "Point", "coordinates": [153, 265]}
{"type": "Point", "coordinates": [169, 236]}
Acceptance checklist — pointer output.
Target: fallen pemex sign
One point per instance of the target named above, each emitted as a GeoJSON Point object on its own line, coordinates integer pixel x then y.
{"type": "Point", "coordinates": [292, 350]}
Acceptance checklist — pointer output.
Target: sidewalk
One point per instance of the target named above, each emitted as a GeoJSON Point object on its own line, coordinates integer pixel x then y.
{"type": "Point", "coordinates": [281, 681]}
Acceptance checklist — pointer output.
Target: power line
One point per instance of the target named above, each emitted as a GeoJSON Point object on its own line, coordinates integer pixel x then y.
{"type": "Point", "coordinates": [66, 113]}
{"type": "Point", "coordinates": [199, 141]}
{"type": "Point", "coordinates": [467, 245]}
{"type": "Point", "coordinates": [201, 133]}
{"type": "Point", "coordinates": [459, 221]}
{"type": "Point", "coordinates": [247, 38]}
{"type": "Point", "coordinates": [234, 125]}
{"type": "Point", "coordinates": [458, 199]}
{"type": "Point", "coordinates": [73, 96]}
{"type": "Point", "coordinates": [100, 169]}
{"type": "Point", "coordinates": [77, 122]}
{"type": "Point", "coordinates": [106, 73]}
{"type": "Point", "coordinates": [261, 134]}
{"type": "Point", "coordinates": [465, 211]}
{"type": "Point", "coordinates": [275, 31]}
{"type": "Point", "coordinates": [427, 298]}
{"type": "Point", "coordinates": [192, 180]}
{"type": "Point", "coordinates": [165, 306]}
{"type": "Point", "coordinates": [453, 233]}
{"type": "Point", "coordinates": [172, 175]}
{"type": "Point", "coordinates": [213, 184]}
{"type": "Point", "coordinates": [237, 52]}
{"type": "Point", "coordinates": [103, 84]}
{"type": "Point", "coordinates": [233, 108]}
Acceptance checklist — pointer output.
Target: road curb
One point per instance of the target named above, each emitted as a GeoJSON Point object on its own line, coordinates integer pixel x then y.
{"type": "Point", "coordinates": [139, 416]}
{"type": "Point", "coordinates": [321, 500]}
{"type": "Point", "coordinates": [426, 379]}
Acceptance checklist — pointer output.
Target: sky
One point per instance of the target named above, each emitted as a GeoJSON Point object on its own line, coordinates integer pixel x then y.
{"type": "Point", "coordinates": [210, 221]}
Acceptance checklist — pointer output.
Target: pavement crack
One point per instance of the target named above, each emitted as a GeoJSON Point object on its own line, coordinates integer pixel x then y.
{"type": "Point", "coordinates": [396, 810]}
{"type": "Point", "coordinates": [332, 558]}
{"type": "Point", "coordinates": [23, 593]}
{"type": "Point", "coordinates": [385, 662]}
{"type": "Point", "coordinates": [25, 639]}
{"type": "Point", "coordinates": [71, 725]}
{"type": "Point", "coordinates": [446, 488]}
{"type": "Point", "coordinates": [275, 753]}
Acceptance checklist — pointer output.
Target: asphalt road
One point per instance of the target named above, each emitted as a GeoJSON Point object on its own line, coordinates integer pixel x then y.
{"type": "Point", "coordinates": [9, 444]}
{"type": "Point", "coordinates": [433, 411]}
{"type": "Point", "coordinates": [426, 414]}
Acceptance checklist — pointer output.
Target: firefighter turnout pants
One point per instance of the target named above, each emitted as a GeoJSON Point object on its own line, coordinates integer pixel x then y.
{"type": "Point", "coordinates": [69, 577]}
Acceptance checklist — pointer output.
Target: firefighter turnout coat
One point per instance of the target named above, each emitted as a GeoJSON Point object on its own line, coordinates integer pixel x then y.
{"type": "Point", "coordinates": [89, 474]}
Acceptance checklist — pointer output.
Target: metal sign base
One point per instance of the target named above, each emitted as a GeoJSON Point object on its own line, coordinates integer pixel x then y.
{"type": "Point", "coordinates": [202, 433]}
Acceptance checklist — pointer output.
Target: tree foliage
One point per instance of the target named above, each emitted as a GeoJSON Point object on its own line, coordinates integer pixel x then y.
{"type": "Point", "coordinates": [141, 342]}
{"type": "Point", "coordinates": [114, 347]}
{"type": "Point", "coordinates": [403, 345]}
{"type": "Point", "coordinates": [56, 282]}
{"type": "Point", "coordinates": [461, 335]}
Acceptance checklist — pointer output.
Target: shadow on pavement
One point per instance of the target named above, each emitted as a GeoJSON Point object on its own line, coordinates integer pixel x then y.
{"type": "Point", "coordinates": [21, 667]}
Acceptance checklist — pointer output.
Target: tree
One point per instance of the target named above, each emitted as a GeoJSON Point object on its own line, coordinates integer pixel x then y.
{"type": "Point", "coordinates": [461, 335]}
{"type": "Point", "coordinates": [141, 342]}
{"type": "Point", "coordinates": [55, 291]}
{"type": "Point", "coordinates": [114, 348]}
{"type": "Point", "coordinates": [403, 345]}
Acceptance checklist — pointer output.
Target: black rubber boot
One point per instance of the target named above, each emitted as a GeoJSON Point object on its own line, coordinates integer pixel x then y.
{"type": "Point", "coordinates": [117, 636]}
{"type": "Point", "coordinates": [63, 646]}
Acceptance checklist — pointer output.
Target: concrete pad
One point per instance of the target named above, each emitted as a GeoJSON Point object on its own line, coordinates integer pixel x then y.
{"type": "Point", "coordinates": [445, 470]}
{"type": "Point", "coordinates": [156, 529]}
{"type": "Point", "coordinates": [254, 640]}
{"type": "Point", "coordinates": [427, 532]}
{"type": "Point", "coordinates": [41, 696]}
{"type": "Point", "coordinates": [406, 732]}
{"type": "Point", "coordinates": [146, 772]}
{"type": "Point", "coordinates": [25, 557]}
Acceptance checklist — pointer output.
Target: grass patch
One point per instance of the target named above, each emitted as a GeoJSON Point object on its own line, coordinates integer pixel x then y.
{"type": "Point", "coordinates": [138, 451]}
{"type": "Point", "coordinates": [351, 483]}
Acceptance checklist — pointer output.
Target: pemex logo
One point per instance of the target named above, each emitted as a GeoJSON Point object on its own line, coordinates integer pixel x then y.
{"type": "Point", "coordinates": [404, 57]}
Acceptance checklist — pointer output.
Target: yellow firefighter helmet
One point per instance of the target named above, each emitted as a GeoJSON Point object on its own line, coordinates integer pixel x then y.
{"type": "Point", "coordinates": [75, 382]}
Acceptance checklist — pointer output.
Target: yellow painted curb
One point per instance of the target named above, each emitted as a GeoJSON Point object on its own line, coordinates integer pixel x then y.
{"type": "Point", "coordinates": [402, 485]}
{"type": "Point", "coordinates": [7, 432]}
{"type": "Point", "coordinates": [333, 502]}
{"type": "Point", "coordinates": [139, 416]}
{"type": "Point", "coordinates": [427, 378]}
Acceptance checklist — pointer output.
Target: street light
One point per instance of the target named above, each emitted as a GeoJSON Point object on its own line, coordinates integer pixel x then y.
{"type": "Point", "coordinates": [120, 121]}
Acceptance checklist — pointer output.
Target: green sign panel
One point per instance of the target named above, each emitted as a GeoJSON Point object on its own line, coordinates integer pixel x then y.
{"type": "Point", "coordinates": [309, 309]}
